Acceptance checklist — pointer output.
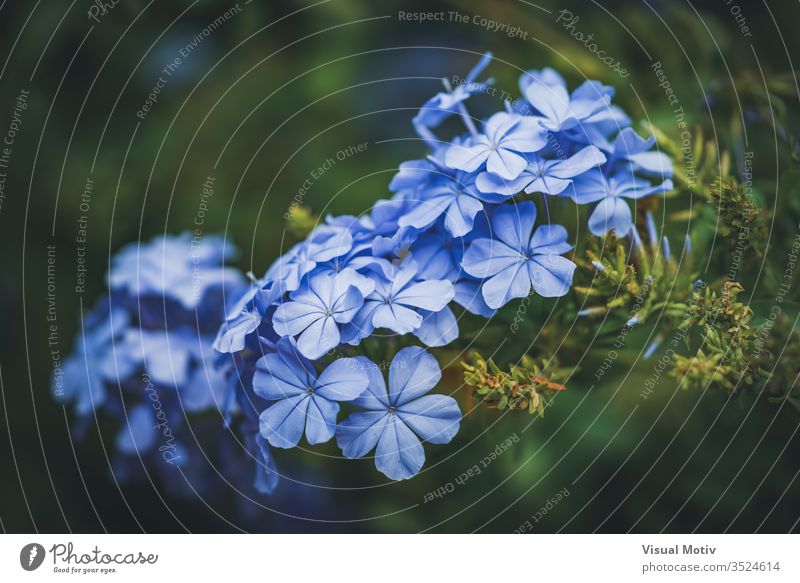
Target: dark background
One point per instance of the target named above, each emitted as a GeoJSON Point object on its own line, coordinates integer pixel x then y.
{"type": "Point", "coordinates": [270, 95]}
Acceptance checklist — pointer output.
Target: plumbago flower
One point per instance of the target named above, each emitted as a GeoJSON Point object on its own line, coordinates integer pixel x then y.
{"type": "Point", "coordinates": [518, 258]}
{"type": "Point", "coordinates": [398, 302]}
{"type": "Point", "coordinates": [315, 312]}
{"type": "Point", "coordinates": [501, 148]}
{"type": "Point", "coordinates": [303, 401]}
{"type": "Point", "coordinates": [393, 421]}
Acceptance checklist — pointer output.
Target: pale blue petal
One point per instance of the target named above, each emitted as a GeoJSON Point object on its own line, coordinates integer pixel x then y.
{"type": "Point", "coordinates": [513, 224]}
{"type": "Point", "coordinates": [506, 164]}
{"type": "Point", "coordinates": [399, 455]}
{"type": "Point", "coordinates": [548, 185]}
{"type": "Point", "coordinates": [460, 215]}
{"type": "Point", "coordinates": [430, 295]}
{"type": "Point", "coordinates": [343, 380]}
{"type": "Point", "coordinates": [583, 160]}
{"type": "Point", "coordinates": [426, 211]}
{"type": "Point", "coordinates": [551, 275]}
{"type": "Point", "coordinates": [359, 434]}
{"type": "Point", "coordinates": [320, 420]}
{"type": "Point", "coordinates": [361, 325]}
{"type": "Point", "coordinates": [291, 318]}
{"type": "Point", "coordinates": [396, 317]}
{"type": "Point", "coordinates": [589, 187]}
{"type": "Point", "coordinates": [466, 158]}
{"type": "Point", "coordinates": [347, 305]}
{"type": "Point", "coordinates": [493, 184]}
{"type": "Point", "coordinates": [469, 296]}
{"type": "Point", "coordinates": [550, 239]}
{"type": "Point", "coordinates": [232, 334]}
{"type": "Point", "coordinates": [438, 328]}
{"type": "Point", "coordinates": [413, 372]}
{"type": "Point", "coordinates": [435, 418]}
{"type": "Point", "coordinates": [276, 379]}
{"type": "Point", "coordinates": [654, 163]}
{"type": "Point", "coordinates": [611, 213]}
{"type": "Point", "coordinates": [375, 397]}
{"type": "Point", "coordinates": [512, 282]}
{"type": "Point", "coordinates": [282, 423]}
{"type": "Point", "coordinates": [552, 101]}
{"type": "Point", "coordinates": [487, 257]}
{"type": "Point", "coordinates": [322, 336]}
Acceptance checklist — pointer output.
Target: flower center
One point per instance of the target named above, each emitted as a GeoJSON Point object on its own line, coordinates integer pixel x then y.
{"type": "Point", "coordinates": [309, 391]}
{"type": "Point", "coordinates": [329, 312]}
{"type": "Point", "coordinates": [392, 409]}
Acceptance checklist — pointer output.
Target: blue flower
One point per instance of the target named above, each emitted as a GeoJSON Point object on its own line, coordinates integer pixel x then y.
{"type": "Point", "coordinates": [449, 194]}
{"type": "Point", "coordinates": [302, 400]}
{"type": "Point", "coordinates": [613, 213]}
{"type": "Point", "coordinates": [438, 255]}
{"type": "Point", "coordinates": [315, 312]}
{"type": "Point", "coordinates": [545, 176]}
{"type": "Point", "coordinates": [629, 147]}
{"type": "Point", "coordinates": [393, 420]}
{"type": "Point", "coordinates": [513, 261]}
{"type": "Point", "coordinates": [176, 267]}
{"type": "Point", "coordinates": [547, 92]}
{"type": "Point", "coordinates": [442, 105]}
{"type": "Point", "coordinates": [397, 302]}
{"type": "Point", "coordinates": [501, 147]}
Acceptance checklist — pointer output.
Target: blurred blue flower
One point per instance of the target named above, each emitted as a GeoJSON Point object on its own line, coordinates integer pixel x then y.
{"type": "Point", "coordinates": [179, 267]}
{"type": "Point", "coordinates": [393, 422]}
{"type": "Point", "coordinates": [513, 260]}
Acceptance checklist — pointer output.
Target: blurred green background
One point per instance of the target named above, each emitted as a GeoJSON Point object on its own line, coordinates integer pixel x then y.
{"type": "Point", "coordinates": [260, 103]}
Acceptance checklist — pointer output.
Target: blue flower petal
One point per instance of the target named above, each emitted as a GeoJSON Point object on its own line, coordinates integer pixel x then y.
{"type": "Point", "coordinates": [322, 336]}
{"type": "Point", "coordinates": [487, 257]}
{"type": "Point", "coordinates": [396, 317]}
{"type": "Point", "coordinates": [359, 433]}
{"type": "Point", "coordinates": [399, 455]}
{"type": "Point", "coordinates": [275, 378]}
{"type": "Point", "coordinates": [375, 397]}
{"type": "Point", "coordinates": [551, 275]}
{"type": "Point", "coordinates": [438, 328]}
{"type": "Point", "coordinates": [343, 380]}
{"type": "Point", "coordinates": [435, 418]}
{"type": "Point", "coordinates": [430, 295]}
{"type": "Point", "coordinates": [467, 158]}
{"type": "Point", "coordinates": [513, 224]}
{"type": "Point", "coordinates": [139, 436]}
{"type": "Point", "coordinates": [282, 423]}
{"type": "Point", "coordinates": [320, 419]}
{"type": "Point", "coordinates": [611, 213]}
{"type": "Point", "coordinates": [512, 282]}
{"type": "Point", "coordinates": [550, 239]}
{"type": "Point", "coordinates": [413, 372]}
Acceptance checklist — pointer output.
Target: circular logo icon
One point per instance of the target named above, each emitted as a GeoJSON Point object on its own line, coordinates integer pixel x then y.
{"type": "Point", "coordinates": [31, 556]}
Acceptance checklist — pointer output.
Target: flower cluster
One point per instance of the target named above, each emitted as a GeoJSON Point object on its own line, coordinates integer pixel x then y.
{"type": "Point", "coordinates": [144, 355]}
{"type": "Point", "coordinates": [457, 228]}
{"type": "Point", "coordinates": [461, 226]}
